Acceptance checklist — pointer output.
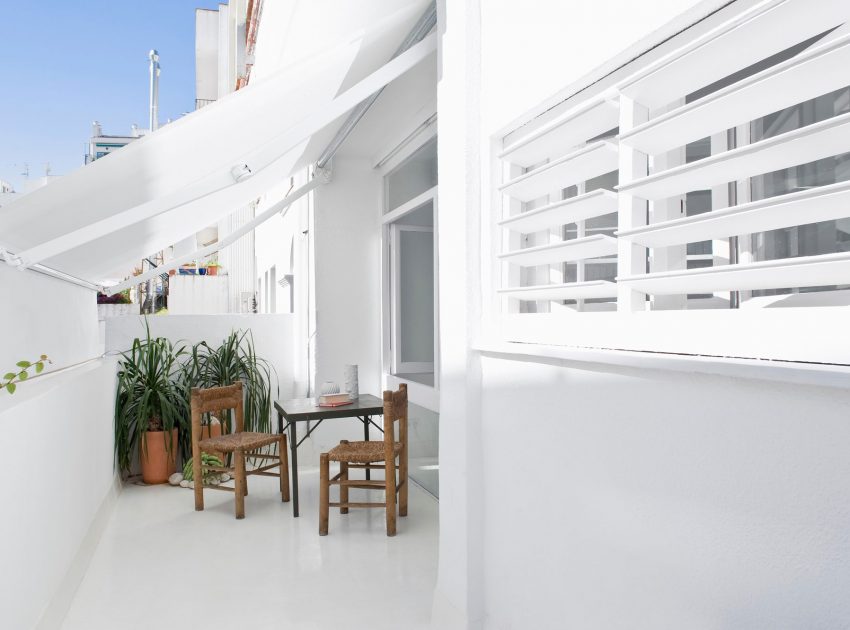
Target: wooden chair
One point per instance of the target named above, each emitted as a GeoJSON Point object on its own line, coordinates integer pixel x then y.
{"type": "Point", "coordinates": [366, 455]}
{"type": "Point", "coordinates": [241, 444]}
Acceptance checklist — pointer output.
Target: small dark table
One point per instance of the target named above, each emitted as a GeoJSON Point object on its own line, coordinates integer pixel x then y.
{"type": "Point", "coordinates": [306, 409]}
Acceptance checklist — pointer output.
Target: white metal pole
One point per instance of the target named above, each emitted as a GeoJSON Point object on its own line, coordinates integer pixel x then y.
{"type": "Point", "coordinates": [154, 90]}
{"type": "Point", "coordinates": [282, 205]}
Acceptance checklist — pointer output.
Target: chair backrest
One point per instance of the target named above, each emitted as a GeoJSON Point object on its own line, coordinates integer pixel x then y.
{"type": "Point", "coordinates": [395, 409]}
{"type": "Point", "coordinates": [216, 399]}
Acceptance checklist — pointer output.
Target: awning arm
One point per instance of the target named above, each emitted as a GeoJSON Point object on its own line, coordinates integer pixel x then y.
{"type": "Point", "coordinates": [321, 176]}
{"type": "Point", "coordinates": [423, 26]}
{"type": "Point", "coordinates": [285, 141]}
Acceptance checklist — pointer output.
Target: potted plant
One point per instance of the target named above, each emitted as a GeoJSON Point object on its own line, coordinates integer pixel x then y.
{"type": "Point", "coordinates": [233, 360]}
{"type": "Point", "coordinates": [212, 269]}
{"type": "Point", "coordinates": [151, 407]}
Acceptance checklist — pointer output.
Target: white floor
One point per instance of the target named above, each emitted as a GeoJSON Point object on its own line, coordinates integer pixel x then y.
{"type": "Point", "coordinates": [160, 564]}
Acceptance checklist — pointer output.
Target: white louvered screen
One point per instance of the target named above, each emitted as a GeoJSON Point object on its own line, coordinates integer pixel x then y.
{"type": "Point", "coordinates": [717, 174]}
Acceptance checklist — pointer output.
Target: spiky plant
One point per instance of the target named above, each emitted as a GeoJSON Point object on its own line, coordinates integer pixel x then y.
{"type": "Point", "coordinates": [234, 360]}
{"type": "Point", "coordinates": [150, 396]}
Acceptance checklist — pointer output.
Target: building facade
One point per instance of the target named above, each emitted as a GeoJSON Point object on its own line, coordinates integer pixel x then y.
{"type": "Point", "coordinates": [100, 144]}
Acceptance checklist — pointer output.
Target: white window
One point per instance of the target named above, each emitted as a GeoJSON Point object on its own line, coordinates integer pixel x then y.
{"type": "Point", "coordinates": [712, 178]}
{"type": "Point", "coordinates": [410, 254]}
{"type": "Point", "coordinates": [412, 289]}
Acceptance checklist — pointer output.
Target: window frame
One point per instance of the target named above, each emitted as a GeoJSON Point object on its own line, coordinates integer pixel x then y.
{"type": "Point", "coordinates": [754, 332]}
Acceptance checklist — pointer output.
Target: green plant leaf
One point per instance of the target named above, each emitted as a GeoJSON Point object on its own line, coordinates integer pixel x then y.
{"type": "Point", "coordinates": [11, 387]}
{"type": "Point", "coordinates": [23, 364]}
{"type": "Point", "coordinates": [23, 375]}
{"type": "Point", "coordinates": [39, 367]}
{"type": "Point", "coordinates": [9, 376]}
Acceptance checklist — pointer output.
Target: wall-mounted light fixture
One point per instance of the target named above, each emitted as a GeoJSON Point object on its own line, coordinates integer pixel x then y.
{"type": "Point", "coordinates": [241, 172]}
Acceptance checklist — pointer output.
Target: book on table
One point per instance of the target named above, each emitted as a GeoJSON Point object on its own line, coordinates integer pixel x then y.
{"type": "Point", "coordinates": [334, 400]}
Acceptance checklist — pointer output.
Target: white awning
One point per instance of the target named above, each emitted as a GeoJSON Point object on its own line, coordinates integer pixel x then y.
{"type": "Point", "coordinates": [187, 175]}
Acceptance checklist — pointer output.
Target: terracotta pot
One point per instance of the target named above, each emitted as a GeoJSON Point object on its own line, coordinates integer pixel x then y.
{"type": "Point", "coordinates": [212, 271]}
{"type": "Point", "coordinates": [157, 463]}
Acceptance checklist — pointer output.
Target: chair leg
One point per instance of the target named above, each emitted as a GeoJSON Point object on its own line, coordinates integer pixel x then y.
{"type": "Point", "coordinates": [198, 474]}
{"type": "Point", "coordinates": [284, 469]}
{"type": "Point", "coordinates": [402, 479]}
{"type": "Point", "coordinates": [245, 475]}
{"type": "Point", "coordinates": [343, 489]}
{"type": "Point", "coordinates": [390, 497]}
{"type": "Point", "coordinates": [239, 462]}
{"type": "Point", "coordinates": [324, 491]}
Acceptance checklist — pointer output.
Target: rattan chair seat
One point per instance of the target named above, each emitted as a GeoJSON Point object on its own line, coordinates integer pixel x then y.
{"type": "Point", "coordinates": [361, 452]}
{"type": "Point", "coordinates": [244, 440]}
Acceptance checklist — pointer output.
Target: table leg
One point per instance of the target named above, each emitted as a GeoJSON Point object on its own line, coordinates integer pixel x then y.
{"type": "Point", "coordinates": [366, 420]}
{"type": "Point", "coordinates": [293, 458]}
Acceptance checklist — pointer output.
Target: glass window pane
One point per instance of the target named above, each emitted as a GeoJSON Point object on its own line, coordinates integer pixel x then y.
{"type": "Point", "coordinates": [416, 296]}
{"type": "Point", "coordinates": [412, 177]}
{"type": "Point", "coordinates": [812, 239]}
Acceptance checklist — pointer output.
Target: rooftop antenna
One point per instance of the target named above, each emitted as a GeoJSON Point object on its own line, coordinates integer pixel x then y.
{"type": "Point", "coordinates": [26, 172]}
{"type": "Point", "coordinates": [153, 55]}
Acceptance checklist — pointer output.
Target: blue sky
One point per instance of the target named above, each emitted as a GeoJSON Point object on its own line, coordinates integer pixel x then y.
{"type": "Point", "coordinates": [65, 64]}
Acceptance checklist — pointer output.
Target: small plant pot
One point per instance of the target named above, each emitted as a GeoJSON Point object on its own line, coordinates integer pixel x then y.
{"type": "Point", "coordinates": [202, 271]}
{"type": "Point", "coordinates": [212, 271]}
{"type": "Point", "coordinates": [158, 464]}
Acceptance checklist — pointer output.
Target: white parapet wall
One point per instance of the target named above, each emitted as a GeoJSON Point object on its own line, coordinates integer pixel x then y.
{"type": "Point", "coordinates": [191, 295]}
{"type": "Point", "coordinates": [272, 336]}
{"type": "Point", "coordinates": [61, 488]}
{"type": "Point", "coordinates": [57, 433]}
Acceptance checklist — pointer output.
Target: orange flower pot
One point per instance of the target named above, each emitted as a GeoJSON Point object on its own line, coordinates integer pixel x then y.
{"type": "Point", "coordinates": [158, 464]}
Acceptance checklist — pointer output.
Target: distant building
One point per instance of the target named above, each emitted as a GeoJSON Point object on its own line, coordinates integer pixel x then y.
{"type": "Point", "coordinates": [101, 145]}
{"type": "Point", "coordinates": [7, 193]}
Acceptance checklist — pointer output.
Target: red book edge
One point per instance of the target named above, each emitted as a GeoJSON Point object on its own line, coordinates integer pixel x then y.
{"type": "Point", "coordinates": [336, 404]}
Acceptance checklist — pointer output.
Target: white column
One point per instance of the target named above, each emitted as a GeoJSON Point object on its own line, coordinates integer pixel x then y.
{"type": "Point", "coordinates": [668, 258]}
{"type": "Point", "coordinates": [743, 195]}
{"type": "Point", "coordinates": [458, 598]}
{"type": "Point", "coordinates": [631, 258]}
{"type": "Point", "coordinates": [511, 240]}
{"type": "Point", "coordinates": [581, 232]}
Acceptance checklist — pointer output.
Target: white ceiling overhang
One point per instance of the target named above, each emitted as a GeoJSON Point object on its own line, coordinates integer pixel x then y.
{"type": "Point", "coordinates": [170, 184]}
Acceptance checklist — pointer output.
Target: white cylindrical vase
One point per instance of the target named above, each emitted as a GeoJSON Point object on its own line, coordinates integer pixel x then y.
{"type": "Point", "coordinates": [351, 384]}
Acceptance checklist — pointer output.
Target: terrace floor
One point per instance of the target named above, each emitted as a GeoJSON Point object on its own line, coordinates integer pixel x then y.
{"type": "Point", "coordinates": [160, 564]}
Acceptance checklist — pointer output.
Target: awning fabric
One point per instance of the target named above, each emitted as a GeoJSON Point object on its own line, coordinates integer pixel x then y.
{"type": "Point", "coordinates": [170, 184]}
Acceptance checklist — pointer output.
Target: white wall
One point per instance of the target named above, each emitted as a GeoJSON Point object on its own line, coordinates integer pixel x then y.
{"type": "Point", "coordinates": [206, 54]}
{"type": "Point", "coordinates": [272, 336]}
{"type": "Point", "coordinates": [57, 430]}
{"type": "Point", "coordinates": [238, 261]}
{"type": "Point", "coordinates": [189, 295]}
{"type": "Point", "coordinates": [590, 496]}
{"type": "Point", "coordinates": [681, 501]}
{"type": "Point", "coordinates": [283, 243]}
{"type": "Point", "coordinates": [42, 315]}
{"type": "Point", "coordinates": [348, 281]}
